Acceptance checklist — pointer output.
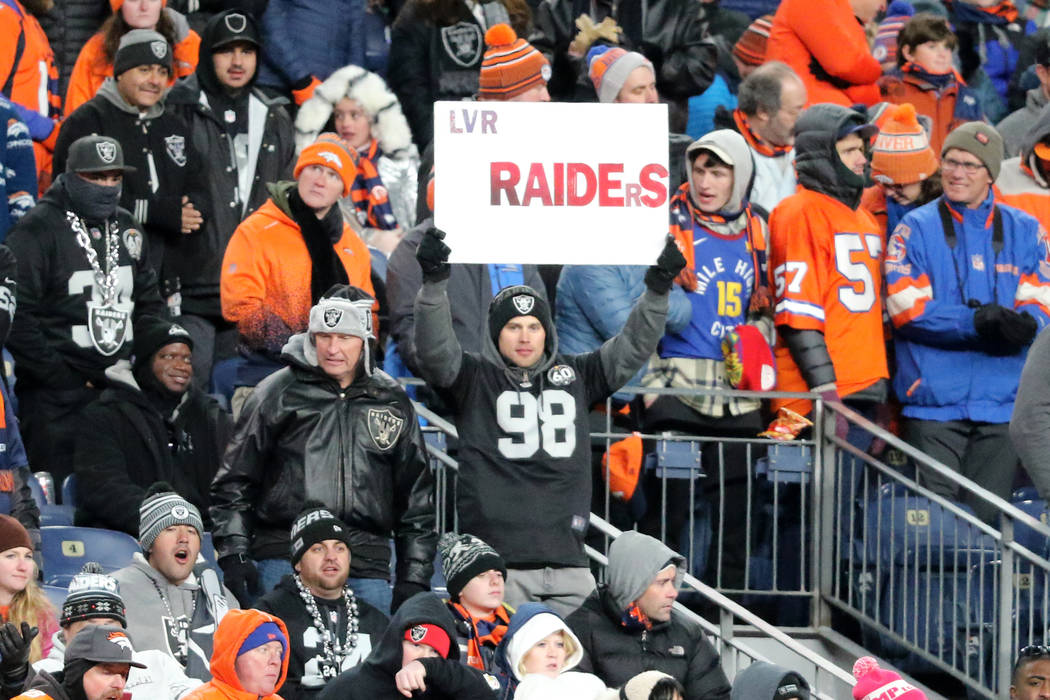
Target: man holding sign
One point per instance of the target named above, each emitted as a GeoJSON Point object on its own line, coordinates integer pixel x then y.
{"type": "Point", "coordinates": [521, 409]}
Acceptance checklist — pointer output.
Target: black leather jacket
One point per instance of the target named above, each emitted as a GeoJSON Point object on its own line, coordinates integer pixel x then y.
{"type": "Point", "coordinates": [670, 33]}
{"type": "Point", "coordinates": [359, 450]}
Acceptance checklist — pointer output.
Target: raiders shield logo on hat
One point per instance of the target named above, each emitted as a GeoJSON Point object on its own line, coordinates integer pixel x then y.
{"type": "Point", "coordinates": [523, 303]}
{"type": "Point", "coordinates": [180, 512]}
{"type": "Point", "coordinates": [107, 151]}
{"type": "Point", "coordinates": [159, 48]}
{"type": "Point", "coordinates": [384, 427]}
{"type": "Point", "coordinates": [332, 317]}
{"type": "Point", "coordinates": [236, 22]}
{"type": "Point", "coordinates": [418, 633]}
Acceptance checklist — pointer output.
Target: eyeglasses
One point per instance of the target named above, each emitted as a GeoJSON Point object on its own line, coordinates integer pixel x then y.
{"type": "Point", "coordinates": [966, 166]}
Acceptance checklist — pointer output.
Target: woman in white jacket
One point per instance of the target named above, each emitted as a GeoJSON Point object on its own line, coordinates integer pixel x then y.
{"type": "Point", "coordinates": [539, 652]}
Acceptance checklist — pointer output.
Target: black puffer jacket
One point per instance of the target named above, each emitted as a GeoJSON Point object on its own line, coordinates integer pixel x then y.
{"type": "Point", "coordinates": [125, 444]}
{"type": "Point", "coordinates": [670, 33]}
{"type": "Point", "coordinates": [445, 678]}
{"type": "Point", "coordinates": [359, 450]}
{"type": "Point", "coordinates": [68, 25]}
{"type": "Point", "coordinates": [271, 146]}
{"type": "Point", "coordinates": [677, 647]}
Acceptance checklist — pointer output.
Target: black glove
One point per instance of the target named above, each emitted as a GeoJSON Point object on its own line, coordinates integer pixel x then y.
{"type": "Point", "coordinates": [403, 590]}
{"type": "Point", "coordinates": [986, 321]}
{"type": "Point", "coordinates": [660, 276]}
{"type": "Point", "coordinates": [14, 651]}
{"type": "Point", "coordinates": [1003, 330]}
{"type": "Point", "coordinates": [1018, 329]}
{"type": "Point", "coordinates": [432, 255]}
{"type": "Point", "coordinates": [241, 577]}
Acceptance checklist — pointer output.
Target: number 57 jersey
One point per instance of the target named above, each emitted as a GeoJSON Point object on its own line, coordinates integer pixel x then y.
{"type": "Point", "coordinates": [825, 272]}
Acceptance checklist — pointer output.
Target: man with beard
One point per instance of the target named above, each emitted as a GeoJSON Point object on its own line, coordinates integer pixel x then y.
{"type": "Point", "coordinates": [150, 425]}
{"type": "Point", "coordinates": [83, 278]}
{"type": "Point", "coordinates": [97, 664]}
{"type": "Point", "coordinates": [329, 629]}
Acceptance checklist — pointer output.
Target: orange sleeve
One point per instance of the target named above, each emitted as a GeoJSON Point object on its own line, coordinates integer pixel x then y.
{"type": "Point", "coordinates": [797, 267]}
{"type": "Point", "coordinates": [10, 28]}
{"type": "Point", "coordinates": [85, 79]}
{"type": "Point", "coordinates": [186, 53]}
{"type": "Point", "coordinates": [837, 41]}
{"type": "Point", "coordinates": [242, 286]}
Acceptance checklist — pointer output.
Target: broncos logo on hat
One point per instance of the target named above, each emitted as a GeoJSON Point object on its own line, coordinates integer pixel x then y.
{"type": "Point", "coordinates": [120, 639]}
{"type": "Point", "coordinates": [331, 158]}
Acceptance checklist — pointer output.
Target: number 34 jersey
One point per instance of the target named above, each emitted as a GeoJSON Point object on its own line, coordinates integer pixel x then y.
{"type": "Point", "coordinates": [524, 459]}
{"type": "Point", "coordinates": [825, 270]}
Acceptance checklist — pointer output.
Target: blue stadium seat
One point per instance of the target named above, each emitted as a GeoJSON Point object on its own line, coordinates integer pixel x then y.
{"type": "Point", "coordinates": [66, 549]}
{"type": "Point", "coordinates": [55, 594]}
{"type": "Point", "coordinates": [1027, 536]}
{"type": "Point", "coordinates": [69, 491]}
{"type": "Point", "coordinates": [52, 515]}
{"type": "Point", "coordinates": [906, 530]}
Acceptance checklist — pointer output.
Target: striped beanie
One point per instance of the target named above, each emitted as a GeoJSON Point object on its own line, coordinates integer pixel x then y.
{"type": "Point", "coordinates": [884, 48]}
{"type": "Point", "coordinates": [330, 151]}
{"type": "Point", "coordinates": [93, 594]}
{"type": "Point", "coordinates": [750, 48]}
{"type": "Point", "coordinates": [117, 4]}
{"type": "Point", "coordinates": [511, 65]}
{"type": "Point", "coordinates": [902, 152]}
{"type": "Point", "coordinates": [161, 509]}
{"type": "Point", "coordinates": [609, 68]}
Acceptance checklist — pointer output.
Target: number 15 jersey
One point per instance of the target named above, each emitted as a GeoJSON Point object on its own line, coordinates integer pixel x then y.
{"type": "Point", "coordinates": [825, 271]}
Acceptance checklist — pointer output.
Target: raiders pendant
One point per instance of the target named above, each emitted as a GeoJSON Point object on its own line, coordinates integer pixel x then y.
{"type": "Point", "coordinates": [230, 116]}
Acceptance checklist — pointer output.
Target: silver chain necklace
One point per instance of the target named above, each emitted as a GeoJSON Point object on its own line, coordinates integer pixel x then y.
{"type": "Point", "coordinates": [333, 652]}
{"type": "Point", "coordinates": [106, 281]}
{"type": "Point", "coordinates": [171, 616]}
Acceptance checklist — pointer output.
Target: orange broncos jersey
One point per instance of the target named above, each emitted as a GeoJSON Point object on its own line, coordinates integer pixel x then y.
{"type": "Point", "coordinates": [825, 272]}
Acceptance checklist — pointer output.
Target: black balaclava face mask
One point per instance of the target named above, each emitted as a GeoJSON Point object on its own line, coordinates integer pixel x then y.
{"type": "Point", "coordinates": [92, 201]}
{"type": "Point", "coordinates": [73, 678]}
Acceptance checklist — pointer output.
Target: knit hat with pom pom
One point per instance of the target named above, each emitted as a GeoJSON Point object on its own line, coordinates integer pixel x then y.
{"type": "Point", "coordinates": [902, 152]}
{"type": "Point", "coordinates": [511, 66]}
{"type": "Point", "coordinates": [874, 683]}
{"type": "Point", "coordinates": [609, 68]}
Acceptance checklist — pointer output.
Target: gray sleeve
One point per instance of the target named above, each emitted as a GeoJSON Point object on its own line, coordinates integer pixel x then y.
{"type": "Point", "coordinates": [1030, 423]}
{"type": "Point", "coordinates": [810, 352]}
{"type": "Point", "coordinates": [625, 353]}
{"type": "Point", "coordinates": [437, 349]}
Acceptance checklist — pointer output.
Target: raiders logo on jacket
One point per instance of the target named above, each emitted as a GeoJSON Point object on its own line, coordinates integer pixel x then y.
{"type": "Point", "coordinates": [158, 143]}
{"type": "Point", "coordinates": [64, 332]}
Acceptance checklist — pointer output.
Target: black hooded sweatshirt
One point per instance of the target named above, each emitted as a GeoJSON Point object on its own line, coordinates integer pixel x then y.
{"type": "Point", "coordinates": [445, 678]}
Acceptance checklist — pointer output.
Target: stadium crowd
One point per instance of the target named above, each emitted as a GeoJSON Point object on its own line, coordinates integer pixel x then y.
{"type": "Point", "coordinates": [218, 256]}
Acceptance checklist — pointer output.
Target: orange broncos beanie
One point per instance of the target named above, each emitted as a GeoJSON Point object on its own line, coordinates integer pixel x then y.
{"type": "Point", "coordinates": [331, 152]}
{"type": "Point", "coordinates": [902, 152]}
{"type": "Point", "coordinates": [511, 65]}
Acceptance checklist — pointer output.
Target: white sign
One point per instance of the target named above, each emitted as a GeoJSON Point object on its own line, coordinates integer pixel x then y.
{"type": "Point", "coordinates": [552, 182]}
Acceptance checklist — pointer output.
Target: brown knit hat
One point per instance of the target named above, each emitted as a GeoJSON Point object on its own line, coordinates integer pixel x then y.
{"type": "Point", "coordinates": [750, 48]}
{"type": "Point", "coordinates": [511, 65]}
{"type": "Point", "coordinates": [902, 152]}
{"type": "Point", "coordinates": [12, 534]}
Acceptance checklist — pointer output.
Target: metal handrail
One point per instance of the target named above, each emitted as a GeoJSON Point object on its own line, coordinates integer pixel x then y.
{"type": "Point", "coordinates": [734, 609]}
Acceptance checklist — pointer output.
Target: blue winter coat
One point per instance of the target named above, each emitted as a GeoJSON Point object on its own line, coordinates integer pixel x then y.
{"type": "Point", "coordinates": [17, 168]}
{"type": "Point", "coordinates": [943, 371]}
{"type": "Point", "coordinates": [593, 302]}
